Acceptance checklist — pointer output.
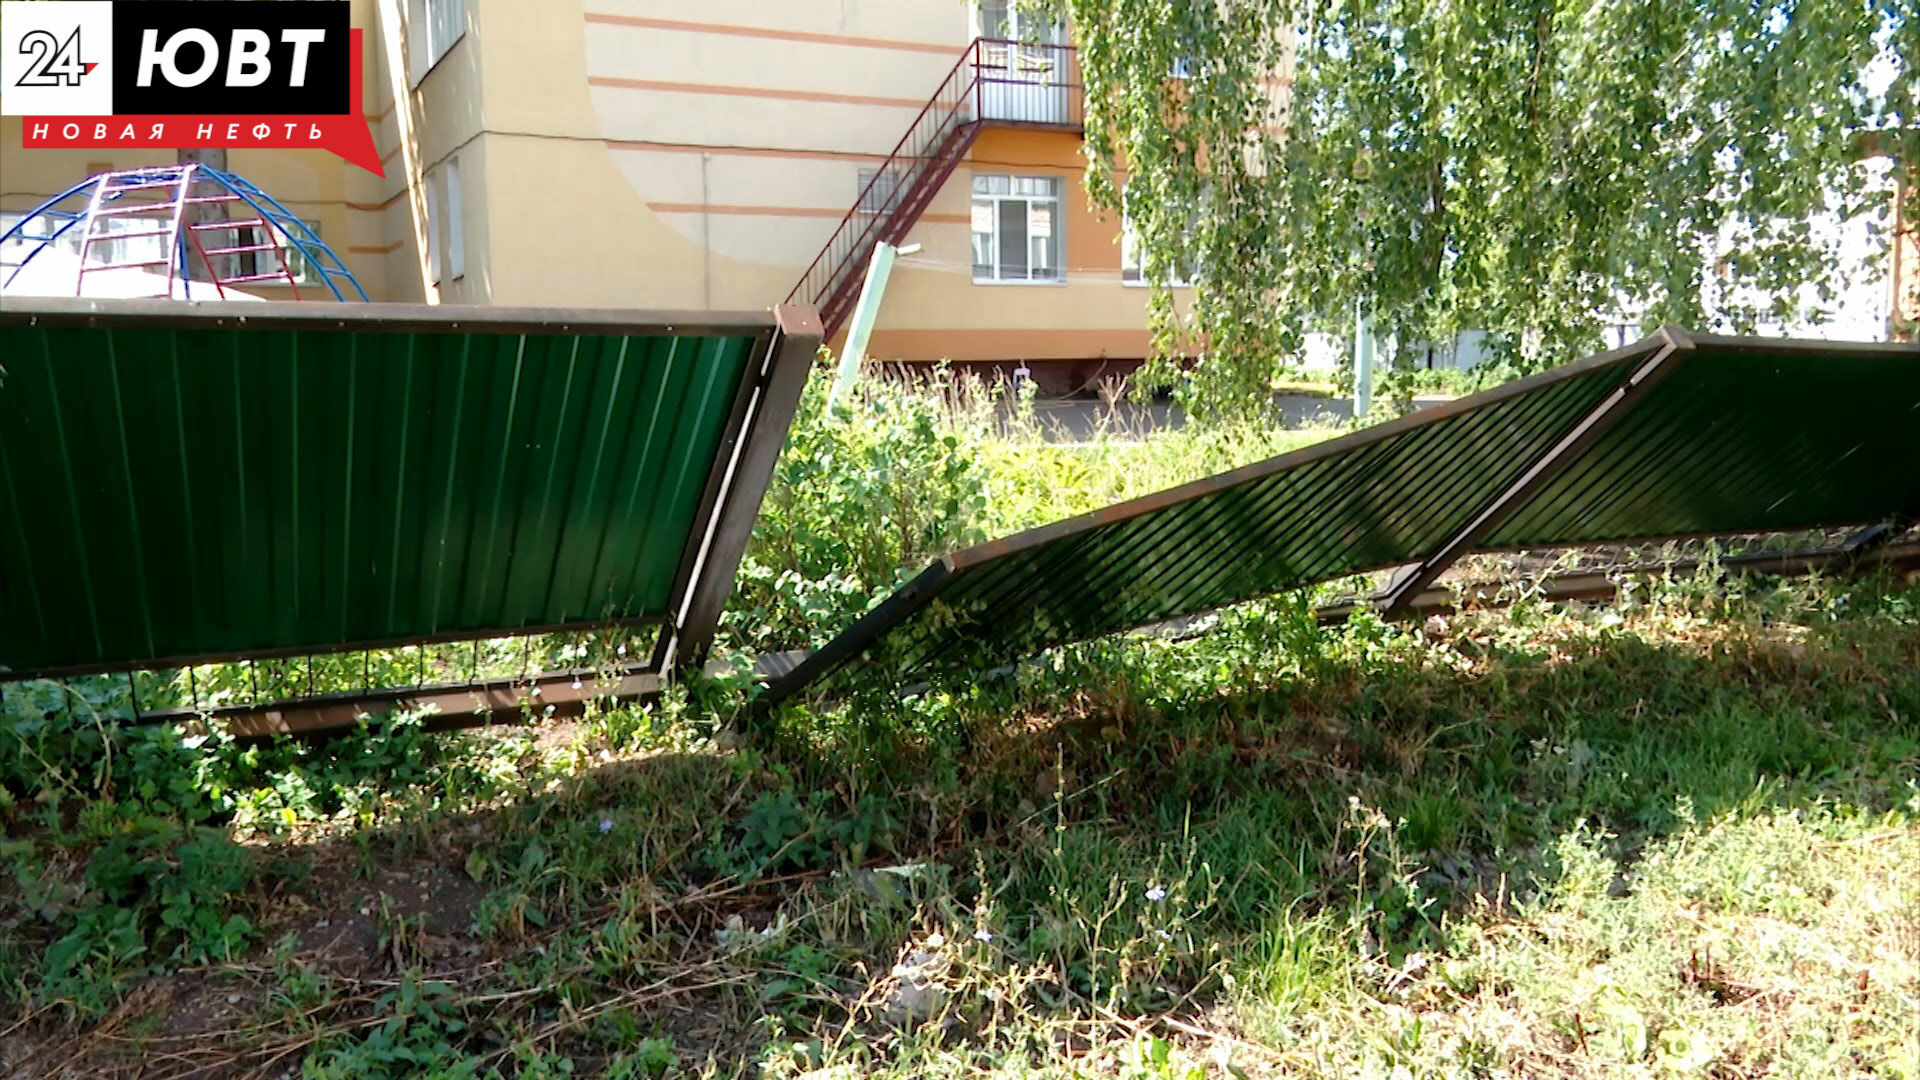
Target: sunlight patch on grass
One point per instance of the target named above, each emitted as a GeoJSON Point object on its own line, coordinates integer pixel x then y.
{"type": "Point", "coordinates": [1781, 942]}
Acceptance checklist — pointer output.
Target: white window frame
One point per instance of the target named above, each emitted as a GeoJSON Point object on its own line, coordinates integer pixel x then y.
{"type": "Point", "coordinates": [433, 28]}
{"type": "Point", "coordinates": [456, 222]}
{"type": "Point", "coordinates": [1133, 270]}
{"type": "Point", "coordinates": [989, 202]}
{"type": "Point", "coordinates": [436, 202]}
{"type": "Point", "coordinates": [446, 225]}
{"type": "Point", "coordinates": [305, 273]}
{"type": "Point", "coordinates": [107, 249]}
{"type": "Point", "coordinates": [874, 202]}
{"type": "Point", "coordinates": [10, 257]}
{"type": "Point", "coordinates": [1006, 20]}
{"type": "Point", "coordinates": [8, 219]}
{"type": "Point", "coordinates": [1133, 273]}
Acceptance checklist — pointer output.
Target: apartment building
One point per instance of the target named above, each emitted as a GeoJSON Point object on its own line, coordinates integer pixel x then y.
{"type": "Point", "coordinates": [719, 154]}
{"type": "Point", "coordinates": [704, 154]}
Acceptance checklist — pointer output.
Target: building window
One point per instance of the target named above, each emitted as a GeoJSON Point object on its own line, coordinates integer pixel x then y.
{"type": "Point", "coordinates": [142, 248]}
{"type": "Point", "coordinates": [8, 219]}
{"type": "Point", "coordinates": [17, 250]}
{"type": "Point", "coordinates": [875, 197]}
{"type": "Point", "coordinates": [109, 245]}
{"type": "Point", "coordinates": [1007, 20]}
{"type": "Point", "coordinates": [303, 269]}
{"type": "Point", "coordinates": [456, 224]}
{"type": "Point", "coordinates": [34, 234]}
{"type": "Point", "coordinates": [249, 263]}
{"type": "Point", "coordinates": [432, 28]}
{"type": "Point", "coordinates": [1016, 229]}
{"type": "Point", "coordinates": [446, 255]}
{"type": "Point", "coordinates": [434, 216]}
{"type": "Point", "coordinates": [1133, 257]}
{"type": "Point", "coordinates": [1131, 262]}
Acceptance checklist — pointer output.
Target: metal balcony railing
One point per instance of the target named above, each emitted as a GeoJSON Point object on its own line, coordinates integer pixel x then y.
{"type": "Point", "coordinates": [993, 81]}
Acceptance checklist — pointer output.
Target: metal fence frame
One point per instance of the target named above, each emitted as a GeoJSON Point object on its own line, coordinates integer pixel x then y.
{"type": "Point", "coordinates": [1411, 588]}
{"type": "Point", "coordinates": [785, 342]}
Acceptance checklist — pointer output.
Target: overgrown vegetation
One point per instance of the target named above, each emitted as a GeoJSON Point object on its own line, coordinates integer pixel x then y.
{"type": "Point", "coordinates": [864, 499]}
{"type": "Point", "coordinates": [1674, 837]}
{"type": "Point", "coordinates": [1534, 170]}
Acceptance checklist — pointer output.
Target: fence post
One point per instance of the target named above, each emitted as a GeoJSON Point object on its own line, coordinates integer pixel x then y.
{"type": "Point", "coordinates": [866, 312]}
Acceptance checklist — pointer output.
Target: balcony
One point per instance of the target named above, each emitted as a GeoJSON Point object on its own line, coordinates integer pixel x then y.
{"type": "Point", "coordinates": [1026, 84]}
{"type": "Point", "coordinates": [993, 83]}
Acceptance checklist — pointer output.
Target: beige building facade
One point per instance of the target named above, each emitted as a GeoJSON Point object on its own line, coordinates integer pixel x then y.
{"type": "Point", "coordinates": [698, 154]}
{"type": "Point", "coordinates": [694, 154]}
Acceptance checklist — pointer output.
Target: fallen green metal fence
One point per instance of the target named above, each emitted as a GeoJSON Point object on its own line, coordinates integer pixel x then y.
{"type": "Point", "coordinates": [1677, 435]}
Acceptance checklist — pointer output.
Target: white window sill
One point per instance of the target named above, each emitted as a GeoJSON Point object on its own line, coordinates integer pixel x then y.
{"type": "Point", "coordinates": [1019, 283]}
{"type": "Point", "coordinates": [1136, 284]}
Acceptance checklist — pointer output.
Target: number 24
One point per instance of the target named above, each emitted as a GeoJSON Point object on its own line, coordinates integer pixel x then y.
{"type": "Point", "coordinates": [55, 63]}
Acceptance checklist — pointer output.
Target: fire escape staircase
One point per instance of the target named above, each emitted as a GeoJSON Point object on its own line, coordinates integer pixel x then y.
{"type": "Point", "coordinates": [992, 82]}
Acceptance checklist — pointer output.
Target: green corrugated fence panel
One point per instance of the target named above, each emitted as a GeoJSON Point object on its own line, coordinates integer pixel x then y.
{"type": "Point", "coordinates": [188, 491]}
{"type": "Point", "coordinates": [1333, 516]}
{"type": "Point", "coordinates": [1739, 435]}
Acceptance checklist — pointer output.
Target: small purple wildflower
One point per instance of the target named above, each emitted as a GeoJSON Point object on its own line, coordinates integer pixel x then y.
{"type": "Point", "coordinates": [1156, 894]}
{"type": "Point", "coordinates": [606, 825]}
{"type": "Point", "coordinates": [983, 935]}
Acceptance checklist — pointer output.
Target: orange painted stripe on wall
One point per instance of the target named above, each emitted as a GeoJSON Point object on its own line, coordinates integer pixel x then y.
{"type": "Point", "coordinates": [382, 205]}
{"type": "Point", "coordinates": [966, 343]}
{"type": "Point", "coordinates": [743, 151]}
{"type": "Point", "coordinates": [773, 33]}
{"type": "Point", "coordinates": [1000, 158]}
{"type": "Point", "coordinates": [395, 246]}
{"type": "Point", "coordinates": [764, 211]}
{"type": "Point", "coordinates": [781, 211]}
{"type": "Point", "coordinates": [753, 91]}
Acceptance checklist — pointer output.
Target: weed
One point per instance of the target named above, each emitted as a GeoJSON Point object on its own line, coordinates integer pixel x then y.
{"type": "Point", "coordinates": [1672, 837]}
{"type": "Point", "coordinates": [650, 1057]}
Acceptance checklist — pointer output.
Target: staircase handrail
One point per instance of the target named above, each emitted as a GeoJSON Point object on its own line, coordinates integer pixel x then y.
{"type": "Point", "coordinates": [964, 67]}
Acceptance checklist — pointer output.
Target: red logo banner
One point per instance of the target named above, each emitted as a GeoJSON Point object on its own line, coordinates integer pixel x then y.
{"type": "Point", "coordinates": [349, 135]}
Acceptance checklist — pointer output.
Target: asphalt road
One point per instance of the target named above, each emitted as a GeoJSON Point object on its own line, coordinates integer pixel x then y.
{"type": "Point", "coordinates": [1076, 419]}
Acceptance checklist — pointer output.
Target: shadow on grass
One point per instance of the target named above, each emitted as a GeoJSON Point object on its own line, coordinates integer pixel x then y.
{"type": "Point", "coordinates": [1108, 837]}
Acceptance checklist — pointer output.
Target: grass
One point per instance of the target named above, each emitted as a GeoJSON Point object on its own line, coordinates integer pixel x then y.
{"type": "Point", "coordinates": [1680, 837]}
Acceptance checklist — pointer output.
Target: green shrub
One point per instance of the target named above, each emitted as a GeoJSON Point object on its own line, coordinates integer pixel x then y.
{"type": "Point", "coordinates": [863, 497]}
{"type": "Point", "coordinates": [868, 493]}
{"type": "Point", "coordinates": [154, 896]}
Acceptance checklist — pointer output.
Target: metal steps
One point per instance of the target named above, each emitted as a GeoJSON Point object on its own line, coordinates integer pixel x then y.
{"type": "Point", "coordinates": [892, 202]}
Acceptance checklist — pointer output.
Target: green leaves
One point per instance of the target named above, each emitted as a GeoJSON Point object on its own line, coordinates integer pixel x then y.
{"type": "Point", "coordinates": [153, 895]}
{"type": "Point", "coordinates": [1531, 168]}
{"type": "Point", "coordinates": [862, 499]}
